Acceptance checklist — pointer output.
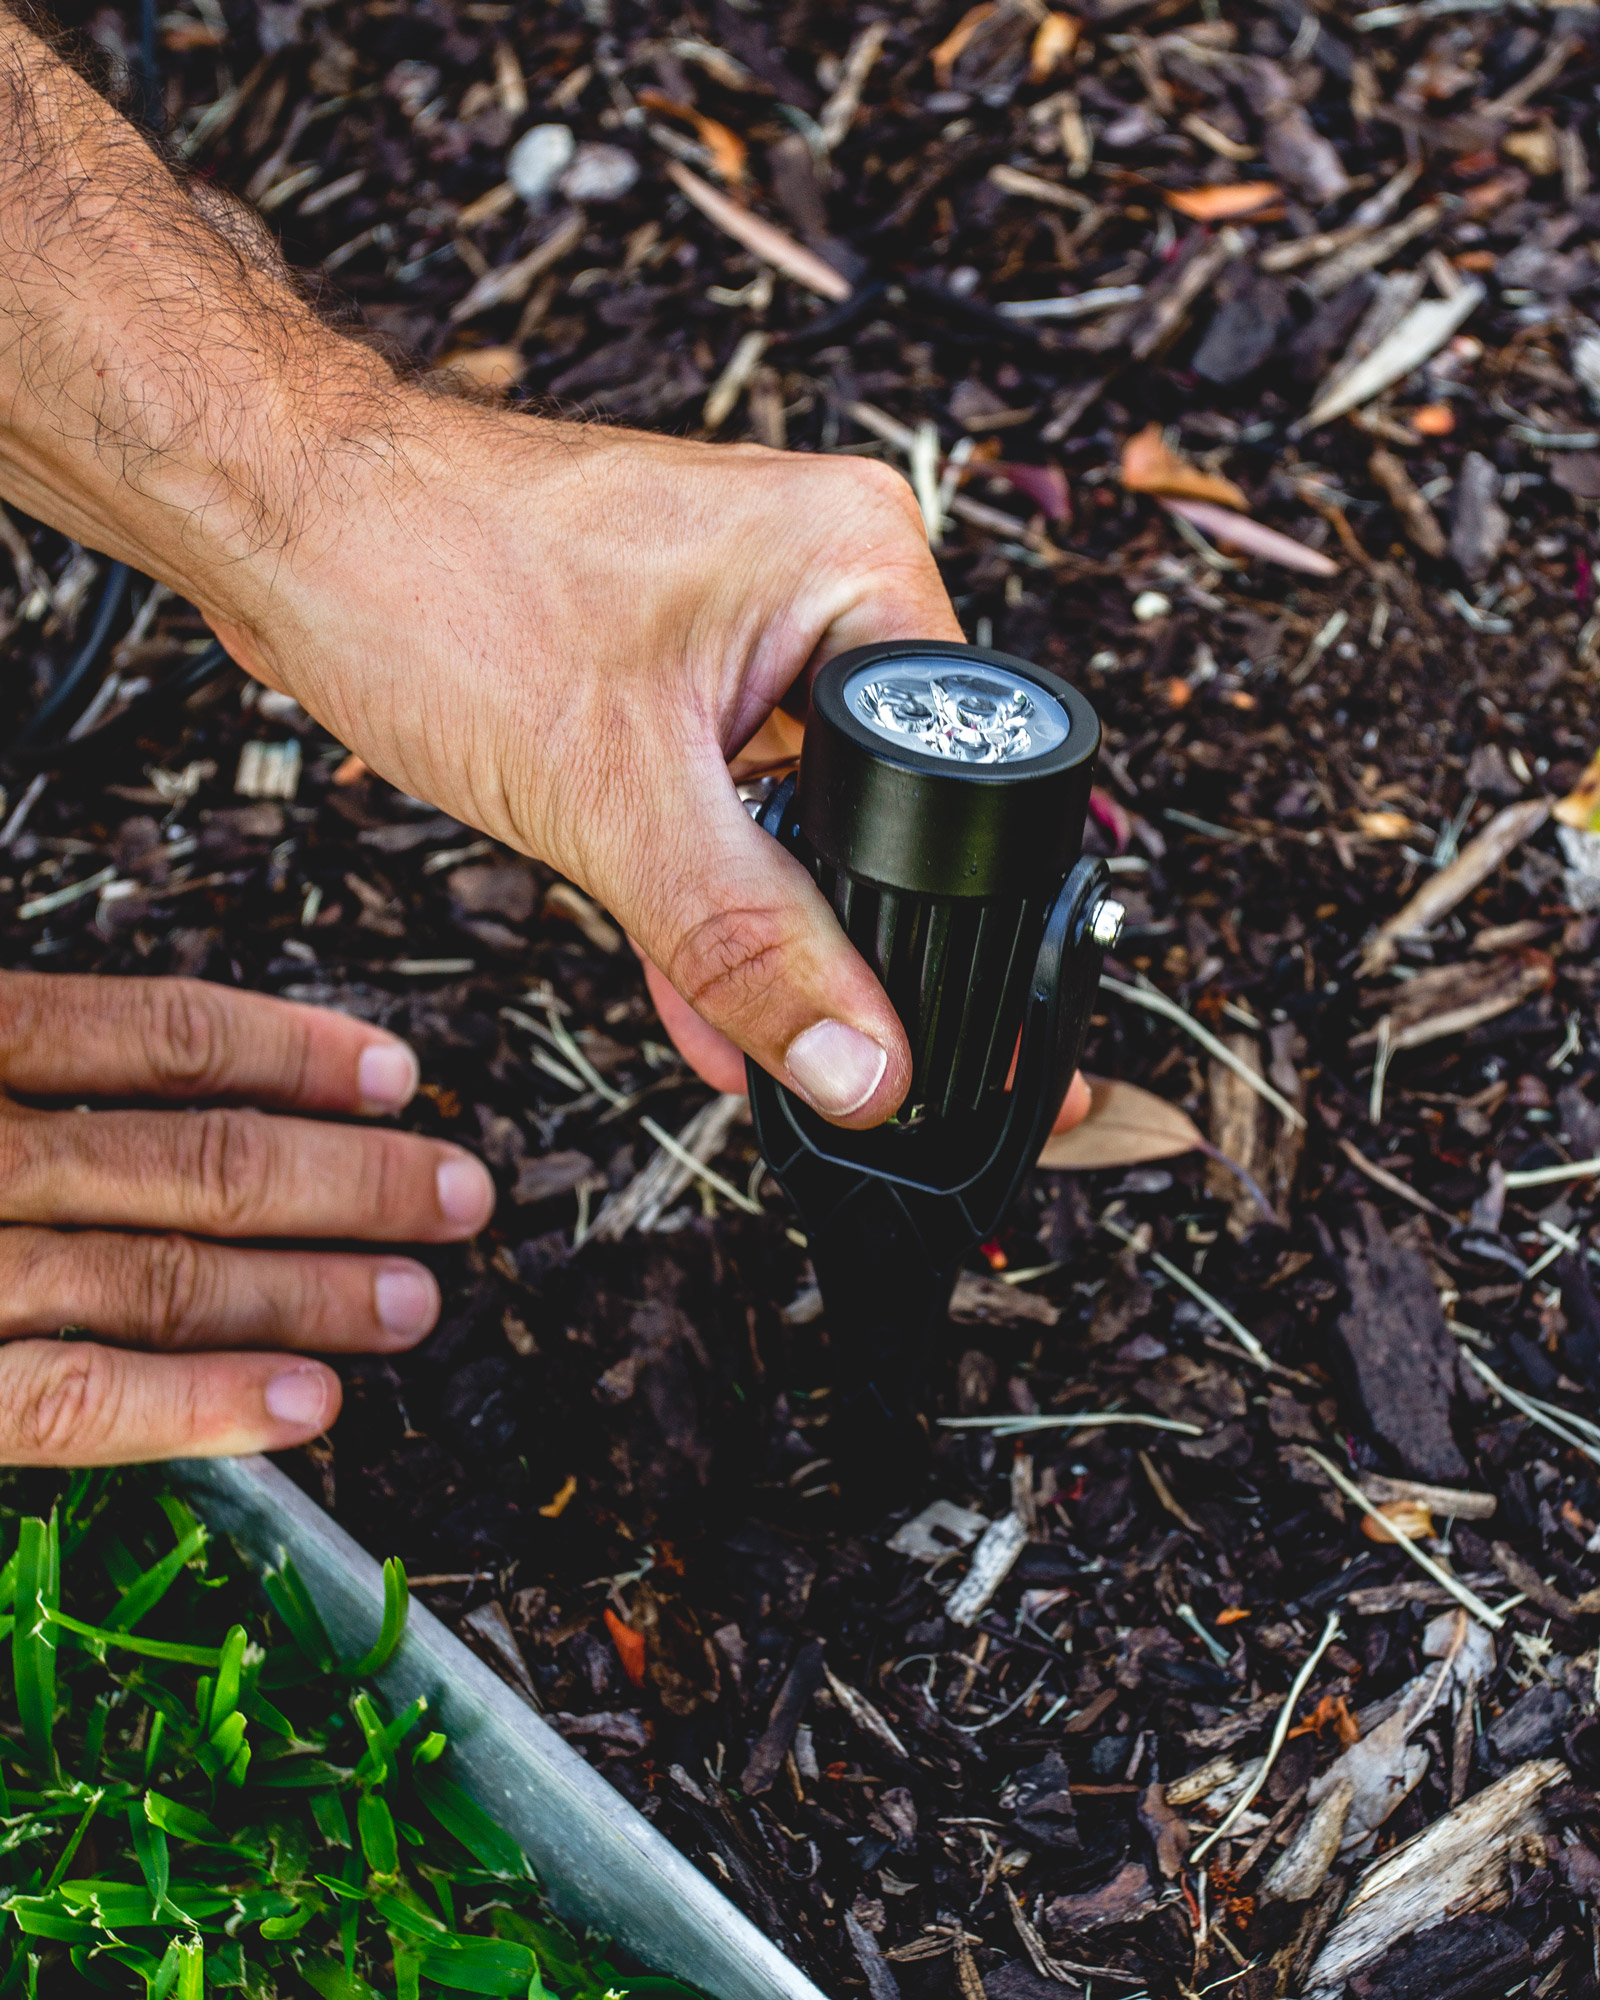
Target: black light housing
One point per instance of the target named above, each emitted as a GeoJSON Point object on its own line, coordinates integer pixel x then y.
{"type": "Point", "coordinates": [939, 805]}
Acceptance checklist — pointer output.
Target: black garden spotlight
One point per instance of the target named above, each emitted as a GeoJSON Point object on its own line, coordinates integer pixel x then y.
{"type": "Point", "coordinates": [939, 805]}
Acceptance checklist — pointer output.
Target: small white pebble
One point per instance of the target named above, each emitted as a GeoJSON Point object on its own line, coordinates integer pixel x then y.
{"type": "Point", "coordinates": [538, 160]}
{"type": "Point", "coordinates": [1150, 604]}
{"type": "Point", "coordinates": [599, 173]}
{"type": "Point", "coordinates": [1104, 662]}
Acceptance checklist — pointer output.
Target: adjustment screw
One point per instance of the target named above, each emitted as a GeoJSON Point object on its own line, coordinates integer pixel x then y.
{"type": "Point", "coordinates": [1105, 922]}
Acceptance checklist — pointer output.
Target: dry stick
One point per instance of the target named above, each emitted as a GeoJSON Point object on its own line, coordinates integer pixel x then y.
{"type": "Point", "coordinates": [1573, 1170]}
{"type": "Point", "coordinates": [1158, 1003]}
{"type": "Point", "coordinates": [1392, 1183]}
{"type": "Point", "coordinates": [1560, 1424]}
{"type": "Point", "coordinates": [1467, 1599]}
{"type": "Point", "coordinates": [759, 237]}
{"type": "Point", "coordinates": [1241, 1333]}
{"type": "Point", "coordinates": [699, 1169]}
{"type": "Point", "coordinates": [1434, 901]}
{"type": "Point", "coordinates": [1280, 1736]}
{"type": "Point", "coordinates": [1010, 1427]}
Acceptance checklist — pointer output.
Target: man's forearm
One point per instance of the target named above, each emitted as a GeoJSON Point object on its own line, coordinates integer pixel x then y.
{"type": "Point", "coordinates": [165, 395]}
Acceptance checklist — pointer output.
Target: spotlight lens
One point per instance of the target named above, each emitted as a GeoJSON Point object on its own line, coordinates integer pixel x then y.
{"type": "Point", "coordinates": [969, 715]}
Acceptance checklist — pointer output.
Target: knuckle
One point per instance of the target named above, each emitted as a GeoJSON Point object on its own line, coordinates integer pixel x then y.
{"type": "Point", "coordinates": [65, 1404]}
{"type": "Point", "coordinates": [729, 962]}
{"type": "Point", "coordinates": [36, 1279]}
{"type": "Point", "coordinates": [173, 1290]}
{"type": "Point", "coordinates": [379, 1188]}
{"type": "Point", "coordinates": [19, 1152]}
{"type": "Point", "coordinates": [186, 1033]}
{"type": "Point", "coordinates": [870, 482]}
{"type": "Point", "coordinates": [231, 1169]}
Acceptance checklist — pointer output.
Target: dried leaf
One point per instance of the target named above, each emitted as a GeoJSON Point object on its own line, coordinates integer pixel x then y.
{"type": "Point", "coordinates": [1053, 42]}
{"type": "Point", "coordinates": [1150, 465]}
{"type": "Point", "coordinates": [1238, 531]}
{"type": "Point", "coordinates": [948, 53]}
{"type": "Point", "coordinates": [1224, 201]}
{"type": "Point", "coordinates": [1417, 338]}
{"type": "Point", "coordinates": [761, 238]}
{"type": "Point", "coordinates": [1125, 1127]}
{"type": "Point", "coordinates": [1045, 485]}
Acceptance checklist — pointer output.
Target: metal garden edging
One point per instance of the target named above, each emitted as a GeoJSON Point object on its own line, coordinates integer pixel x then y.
{"type": "Point", "coordinates": [601, 1863]}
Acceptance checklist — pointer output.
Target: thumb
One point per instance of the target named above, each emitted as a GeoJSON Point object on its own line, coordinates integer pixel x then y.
{"type": "Point", "coordinates": [746, 938]}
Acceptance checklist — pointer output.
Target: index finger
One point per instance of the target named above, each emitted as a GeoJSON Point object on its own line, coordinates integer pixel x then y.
{"type": "Point", "coordinates": [65, 1035]}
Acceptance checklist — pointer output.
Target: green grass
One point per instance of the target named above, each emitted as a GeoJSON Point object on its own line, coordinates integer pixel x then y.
{"type": "Point", "coordinates": [197, 1797]}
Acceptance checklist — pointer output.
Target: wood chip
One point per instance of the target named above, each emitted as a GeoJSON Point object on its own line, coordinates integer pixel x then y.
{"type": "Point", "coordinates": [992, 1560]}
{"type": "Point", "coordinates": [1458, 1864]}
{"type": "Point", "coordinates": [762, 239]}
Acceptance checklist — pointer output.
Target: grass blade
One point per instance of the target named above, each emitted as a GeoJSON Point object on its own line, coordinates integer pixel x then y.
{"type": "Point", "coordinates": [142, 1597]}
{"type": "Point", "coordinates": [291, 1600]}
{"type": "Point", "coordinates": [33, 1639]}
{"type": "Point", "coordinates": [463, 1817]}
{"type": "Point", "coordinates": [396, 1603]}
{"type": "Point", "coordinates": [150, 1649]}
{"type": "Point", "coordinates": [378, 1842]}
{"type": "Point", "coordinates": [151, 1851]}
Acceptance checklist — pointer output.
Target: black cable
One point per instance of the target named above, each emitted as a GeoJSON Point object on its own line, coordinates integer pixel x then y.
{"type": "Point", "coordinates": [151, 108]}
{"type": "Point", "coordinates": [95, 744]}
{"type": "Point", "coordinates": [62, 703]}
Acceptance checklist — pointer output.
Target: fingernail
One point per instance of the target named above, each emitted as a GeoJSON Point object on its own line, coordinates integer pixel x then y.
{"type": "Point", "coordinates": [466, 1193]}
{"type": "Point", "coordinates": [299, 1398]}
{"type": "Point", "coordinates": [407, 1300]}
{"type": "Point", "coordinates": [387, 1076]}
{"type": "Point", "coordinates": [835, 1067]}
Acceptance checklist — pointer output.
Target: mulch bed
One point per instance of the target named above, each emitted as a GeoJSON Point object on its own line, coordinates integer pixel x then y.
{"type": "Point", "coordinates": [612, 1457]}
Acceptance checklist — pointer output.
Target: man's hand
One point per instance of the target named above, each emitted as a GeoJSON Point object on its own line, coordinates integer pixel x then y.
{"type": "Point", "coordinates": [558, 633]}
{"type": "Point", "coordinates": [111, 1213]}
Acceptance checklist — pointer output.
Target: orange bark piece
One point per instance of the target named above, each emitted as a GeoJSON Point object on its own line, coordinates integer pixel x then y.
{"type": "Point", "coordinates": [728, 151]}
{"type": "Point", "coordinates": [1224, 200]}
{"type": "Point", "coordinates": [1053, 42]}
{"type": "Point", "coordinates": [1150, 465]}
{"type": "Point", "coordinates": [629, 1645]}
{"type": "Point", "coordinates": [1232, 1613]}
{"type": "Point", "coordinates": [557, 1505]}
{"type": "Point", "coordinates": [1433, 420]}
{"type": "Point", "coordinates": [351, 771]}
{"type": "Point", "coordinates": [948, 53]}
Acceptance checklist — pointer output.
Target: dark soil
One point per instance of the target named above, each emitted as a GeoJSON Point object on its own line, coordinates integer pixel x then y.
{"type": "Point", "coordinates": [634, 1434]}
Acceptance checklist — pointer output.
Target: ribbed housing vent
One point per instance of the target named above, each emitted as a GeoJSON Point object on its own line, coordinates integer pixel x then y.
{"type": "Point", "coordinates": [956, 971]}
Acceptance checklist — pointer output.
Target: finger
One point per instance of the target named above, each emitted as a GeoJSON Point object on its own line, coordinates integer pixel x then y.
{"type": "Point", "coordinates": [70, 1402]}
{"type": "Point", "coordinates": [174, 1294]}
{"type": "Point", "coordinates": [1074, 1106]}
{"type": "Point", "coordinates": [716, 1061]}
{"type": "Point", "coordinates": [744, 936]}
{"type": "Point", "coordinates": [71, 1036]}
{"type": "Point", "coordinates": [237, 1173]}
{"type": "Point", "coordinates": [711, 1056]}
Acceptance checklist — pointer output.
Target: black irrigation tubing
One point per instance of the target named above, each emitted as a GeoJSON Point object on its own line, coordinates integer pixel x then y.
{"type": "Point", "coordinates": [63, 701]}
{"type": "Point", "coordinates": [84, 752]}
